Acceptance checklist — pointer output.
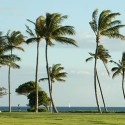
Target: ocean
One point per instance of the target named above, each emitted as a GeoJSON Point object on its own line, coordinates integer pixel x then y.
{"type": "Point", "coordinates": [24, 108]}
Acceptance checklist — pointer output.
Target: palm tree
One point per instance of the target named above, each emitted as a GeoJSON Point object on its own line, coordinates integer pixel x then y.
{"type": "Point", "coordinates": [53, 30]}
{"type": "Point", "coordinates": [36, 37]}
{"type": "Point", "coordinates": [56, 74]}
{"type": "Point", "coordinates": [104, 25]}
{"type": "Point", "coordinates": [120, 69]}
{"type": "Point", "coordinates": [103, 55]}
{"type": "Point", "coordinates": [13, 40]}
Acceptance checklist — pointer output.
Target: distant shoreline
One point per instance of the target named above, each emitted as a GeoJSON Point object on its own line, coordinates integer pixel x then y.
{"type": "Point", "coordinates": [64, 108]}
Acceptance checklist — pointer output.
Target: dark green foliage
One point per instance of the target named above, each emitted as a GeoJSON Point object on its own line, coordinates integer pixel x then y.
{"type": "Point", "coordinates": [2, 91]}
{"type": "Point", "coordinates": [43, 99]}
{"type": "Point", "coordinates": [26, 88]}
{"type": "Point", "coordinates": [39, 110]}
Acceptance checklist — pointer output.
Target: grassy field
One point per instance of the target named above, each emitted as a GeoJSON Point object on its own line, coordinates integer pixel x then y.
{"type": "Point", "coordinates": [25, 118]}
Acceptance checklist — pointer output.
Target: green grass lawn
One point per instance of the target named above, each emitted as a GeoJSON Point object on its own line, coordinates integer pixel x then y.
{"type": "Point", "coordinates": [25, 118]}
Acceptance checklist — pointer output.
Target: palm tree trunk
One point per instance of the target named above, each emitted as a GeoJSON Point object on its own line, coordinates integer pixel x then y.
{"type": "Point", "coordinates": [36, 77]}
{"type": "Point", "coordinates": [49, 82]}
{"type": "Point", "coordinates": [9, 93]}
{"type": "Point", "coordinates": [95, 76]}
{"type": "Point", "coordinates": [123, 85]}
{"type": "Point", "coordinates": [50, 106]}
{"type": "Point", "coordinates": [51, 94]}
{"type": "Point", "coordinates": [101, 92]}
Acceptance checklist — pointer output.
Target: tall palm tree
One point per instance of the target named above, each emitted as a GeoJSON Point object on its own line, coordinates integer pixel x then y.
{"type": "Point", "coordinates": [104, 25]}
{"type": "Point", "coordinates": [103, 55]}
{"type": "Point", "coordinates": [13, 41]}
{"type": "Point", "coordinates": [53, 30]}
{"type": "Point", "coordinates": [120, 69]}
{"type": "Point", "coordinates": [36, 37]}
{"type": "Point", "coordinates": [56, 74]}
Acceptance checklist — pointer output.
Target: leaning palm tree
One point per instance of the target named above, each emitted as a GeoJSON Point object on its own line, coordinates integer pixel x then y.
{"type": "Point", "coordinates": [53, 30]}
{"type": "Point", "coordinates": [120, 69]}
{"type": "Point", "coordinates": [104, 25]}
{"type": "Point", "coordinates": [36, 37]}
{"type": "Point", "coordinates": [56, 74]}
{"type": "Point", "coordinates": [13, 41]}
{"type": "Point", "coordinates": [102, 55]}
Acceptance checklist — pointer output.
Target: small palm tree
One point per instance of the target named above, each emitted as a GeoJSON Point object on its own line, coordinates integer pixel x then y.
{"type": "Point", "coordinates": [120, 69]}
{"type": "Point", "coordinates": [13, 41]}
{"type": "Point", "coordinates": [53, 30]}
{"type": "Point", "coordinates": [102, 55]}
{"type": "Point", "coordinates": [104, 25]}
{"type": "Point", "coordinates": [36, 37]}
{"type": "Point", "coordinates": [56, 74]}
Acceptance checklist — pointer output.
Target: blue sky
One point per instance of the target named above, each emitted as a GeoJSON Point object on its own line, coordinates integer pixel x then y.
{"type": "Point", "coordinates": [78, 90]}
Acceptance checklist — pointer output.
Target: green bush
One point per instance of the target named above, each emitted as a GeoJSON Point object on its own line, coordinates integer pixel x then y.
{"type": "Point", "coordinates": [39, 110]}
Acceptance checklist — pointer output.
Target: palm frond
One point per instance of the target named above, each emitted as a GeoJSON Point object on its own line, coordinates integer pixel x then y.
{"type": "Point", "coordinates": [103, 14]}
{"type": "Point", "coordinates": [123, 57]}
{"type": "Point", "coordinates": [64, 30]}
{"type": "Point", "coordinates": [66, 40]}
{"type": "Point", "coordinates": [113, 23]}
{"type": "Point", "coordinates": [43, 79]}
{"type": "Point", "coordinates": [108, 19]}
{"type": "Point", "coordinates": [55, 66]}
{"type": "Point", "coordinates": [116, 73]}
{"type": "Point", "coordinates": [60, 80]}
{"type": "Point", "coordinates": [93, 25]}
{"type": "Point", "coordinates": [29, 31]}
{"type": "Point", "coordinates": [31, 21]}
{"type": "Point", "coordinates": [61, 75]}
{"type": "Point", "coordinates": [31, 40]}
{"type": "Point", "coordinates": [89, 59]}
{"type": "Point", "coordinates": [94, 15]}
{"type": "Point", "coordinates": [10, 47]}
{"type": "Point", "coordinates": [115, 63]}
{"type": "Point", "coordinates": [112, 31]}
{"type": "Point", "coordinates": [114, 69]}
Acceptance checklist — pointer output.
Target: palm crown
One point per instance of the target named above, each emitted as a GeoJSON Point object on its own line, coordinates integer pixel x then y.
{"type": "Point", "coordinates": [102, 54]}
{"type": "Point", "coordinates": [105, 25]}
{"type": "Point", "coordinates": [57, 73]}
{"type": "Point", "coordinates": [51, 29]}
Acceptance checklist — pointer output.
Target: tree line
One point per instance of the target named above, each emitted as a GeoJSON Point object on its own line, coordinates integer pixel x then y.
{"type": "Point", "coordinates": [49, 28]}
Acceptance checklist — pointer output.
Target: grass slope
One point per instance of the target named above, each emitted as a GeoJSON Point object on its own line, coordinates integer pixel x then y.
{"type": "Point", "coordinates": [25, 118]}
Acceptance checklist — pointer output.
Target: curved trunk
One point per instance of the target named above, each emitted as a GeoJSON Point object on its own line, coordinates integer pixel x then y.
{"type": "Point", "coordinates": [101, 92]}
{"type": "Point", "coordinates": [9, 91]}
{"type": "Point", "coordinates": [36, 77]}
{"type": "Point", "coordinates": [95, 76]}
{"type": "Point", "coordinates": [49, 82]}
{"type": "Point", "coordinates": [123, 85]}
